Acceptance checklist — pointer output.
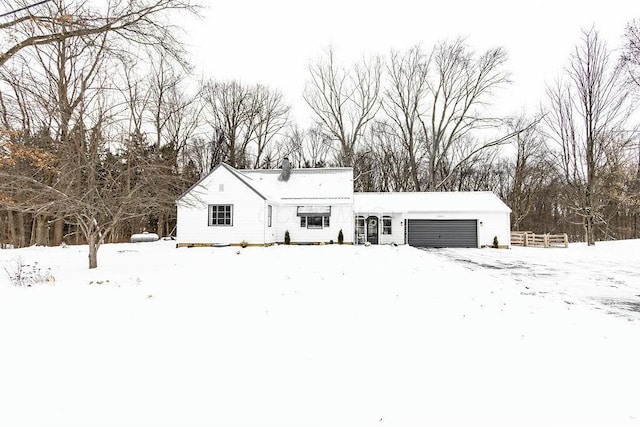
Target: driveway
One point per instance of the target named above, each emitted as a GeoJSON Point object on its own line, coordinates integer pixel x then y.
{"type": "Point", "coordinates": [605, 277]}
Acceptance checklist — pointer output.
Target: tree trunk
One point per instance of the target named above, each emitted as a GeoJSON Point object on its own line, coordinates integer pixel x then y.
{"type": "Point", "coordinates": [591, 241]}
{"type": "Point", "coordinates": [41, 221]}
{"type": "Point", "coordinates": [32, 231]}
{"type": "Point", "coordinates": [93, 251]}
{"type": "Point", "coordinates": [13, 233]}
{"type": "Point", "coordinates": [58, 231]}
{"type": "Point", "coordinates": [4, 230]}
{"type": "Point", "coordinates": [22, 236]}
{"type": "Point", "coordinates": [160, 227]}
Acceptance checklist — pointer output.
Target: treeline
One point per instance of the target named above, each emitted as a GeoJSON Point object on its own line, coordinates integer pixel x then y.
{"type": "Point", "coordinates": [102, 130]}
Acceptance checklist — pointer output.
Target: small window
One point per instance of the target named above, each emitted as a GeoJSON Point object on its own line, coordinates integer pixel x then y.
{"type": "Point", "coordinates": [220, 215]}
{"type": "Point", "coordinates": [360, 237]}
{"type": "Point", "coordinates": [314, 222]}
{"type": "Point", "coordinates": [221, 187]}
{"type": "Point", "coordinates": [270, 211]}
{"type": "Point", "coordinates": [386, 225]}
{"type": "Point", "coordinates": [326, 221]}
{"type": "Point", "coordinates": [303, 222]}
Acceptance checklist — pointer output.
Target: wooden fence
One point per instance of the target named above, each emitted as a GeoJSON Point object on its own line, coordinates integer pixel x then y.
{"type": "Point", "coordinates": [529, 238]}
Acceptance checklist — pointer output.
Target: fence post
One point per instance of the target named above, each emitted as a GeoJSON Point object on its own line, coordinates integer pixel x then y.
{"type": "Point", "coordinates": [566, 240]}
{"type": "Point", "coordinates": [546, 240]}
{"type": "Point", "coordinates": [525, 239]}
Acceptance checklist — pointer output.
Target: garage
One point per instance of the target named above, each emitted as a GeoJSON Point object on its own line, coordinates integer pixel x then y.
{"type": "Point", "coordinates": [442, 233]}
{"type": "Point", "coordinates": [458, 219]}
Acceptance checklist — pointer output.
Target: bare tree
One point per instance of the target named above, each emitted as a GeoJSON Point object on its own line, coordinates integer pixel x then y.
{"type": "Point", "coordinates": [245, 119]}
{"type": "Point", "coordinates": [390, 163]}
{"type": "Point", "coordinates": [631, 53]}
{"type": "Point", "coordinates": [462, 83]}
{"type": "Point", "coordinates": [344, 101]}
{"type": "Point", "coordinates": [71, 107]}
{"type": "Point", "coordinates": [588, 112]}
{"type": "Point", "coordinates": [94, 188]}
{"type": "Point", "coordinates": [175, 114]}
{"type": "Point", "coordinates": [144, 21]}
{"type": "Point", "coordinates": [529, 170]}
{"type": "Point", "coordinates": [404, 102]}
{"type": "Point", "coordinates": [272, 117]}
{"type": "Point", "coordinates": [202, 155]}
{"type": "Point", "coordinates": [305, 148]}
{"type": "Point", "coordinates": [292, 146]}
{"type": "Point", "coordinates": [174, 118]}
{"type": "Point", "coordinates": [50, 94]}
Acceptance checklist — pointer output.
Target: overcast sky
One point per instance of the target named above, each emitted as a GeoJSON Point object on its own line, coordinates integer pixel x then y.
{"type": "Point", "coordinates": [272, 41]}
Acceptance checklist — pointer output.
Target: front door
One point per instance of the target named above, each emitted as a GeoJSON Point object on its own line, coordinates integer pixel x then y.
{"type": "Point", "coordinates": [372, 230]}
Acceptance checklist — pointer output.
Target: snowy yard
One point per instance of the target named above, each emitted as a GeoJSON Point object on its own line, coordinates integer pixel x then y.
{"type": "Point", "coordinates": [322, 336]}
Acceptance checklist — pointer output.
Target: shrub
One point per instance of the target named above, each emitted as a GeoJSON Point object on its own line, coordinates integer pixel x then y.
{"type": "Point", "coordinates": [340, 237]}
{"type": "Point", "coordinates": [21, 274]}
{"type": "Point", "coordinates": [287, 238]}
{"type": "Point", "coordinates": [495, 242]}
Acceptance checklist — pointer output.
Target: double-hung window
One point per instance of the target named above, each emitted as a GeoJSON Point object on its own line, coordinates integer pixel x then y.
{"type": "Point", "coordinates": [386, 225]}
{"type": "Point", "coordinates": [220, 215]}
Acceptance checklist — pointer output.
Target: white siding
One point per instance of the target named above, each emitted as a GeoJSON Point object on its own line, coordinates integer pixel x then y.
{"type": "Point", "coordinates": [494, 224]}
{"type": "Point", "coordinates": [341, 219]}
{"type": "Point", "coordinates": [249, 212]}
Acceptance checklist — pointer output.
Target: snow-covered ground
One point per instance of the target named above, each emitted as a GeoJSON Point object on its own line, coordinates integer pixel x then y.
{"type": "Point", "coordinates": [322, 336]}
{"type": "Point", "coordinates": [606, 277]}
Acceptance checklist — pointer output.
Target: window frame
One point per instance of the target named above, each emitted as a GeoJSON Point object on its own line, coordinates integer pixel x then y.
{"type": "Point", "coordinates": [318, 222]}
{"type": "Point", "coordinates": [216, 222]}
{"type": "Point", "coordinates": [387, 229]}
{"type": "Point", "coordinates": [269, 215]}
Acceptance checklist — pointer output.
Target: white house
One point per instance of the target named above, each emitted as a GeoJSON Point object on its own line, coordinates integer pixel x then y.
{"type": "Point", "coordinates": [231, 206]}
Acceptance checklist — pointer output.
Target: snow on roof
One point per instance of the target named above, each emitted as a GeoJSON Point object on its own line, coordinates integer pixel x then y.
{"type": "Point", "coordinates": [307, 186]}
{"type": "Point", "coordinates": [459, 201]}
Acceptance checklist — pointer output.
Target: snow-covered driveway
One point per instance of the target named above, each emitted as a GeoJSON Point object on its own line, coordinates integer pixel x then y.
{"type": "Point", "coordinates": [605, 277]}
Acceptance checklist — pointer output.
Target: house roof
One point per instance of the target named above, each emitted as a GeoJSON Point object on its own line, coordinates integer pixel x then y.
{"type": "Point", "coordinates": [231, 170]}
{"type": "Point", "coordinates": [304, 186]}
{"type": "Point", "coordinates": [459, 201]}
{"type": "Point", "coordinates": [309, 186]}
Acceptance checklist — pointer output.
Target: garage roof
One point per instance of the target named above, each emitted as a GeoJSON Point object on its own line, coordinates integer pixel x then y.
{"type": "Point", "coordinates": [458, 201]}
